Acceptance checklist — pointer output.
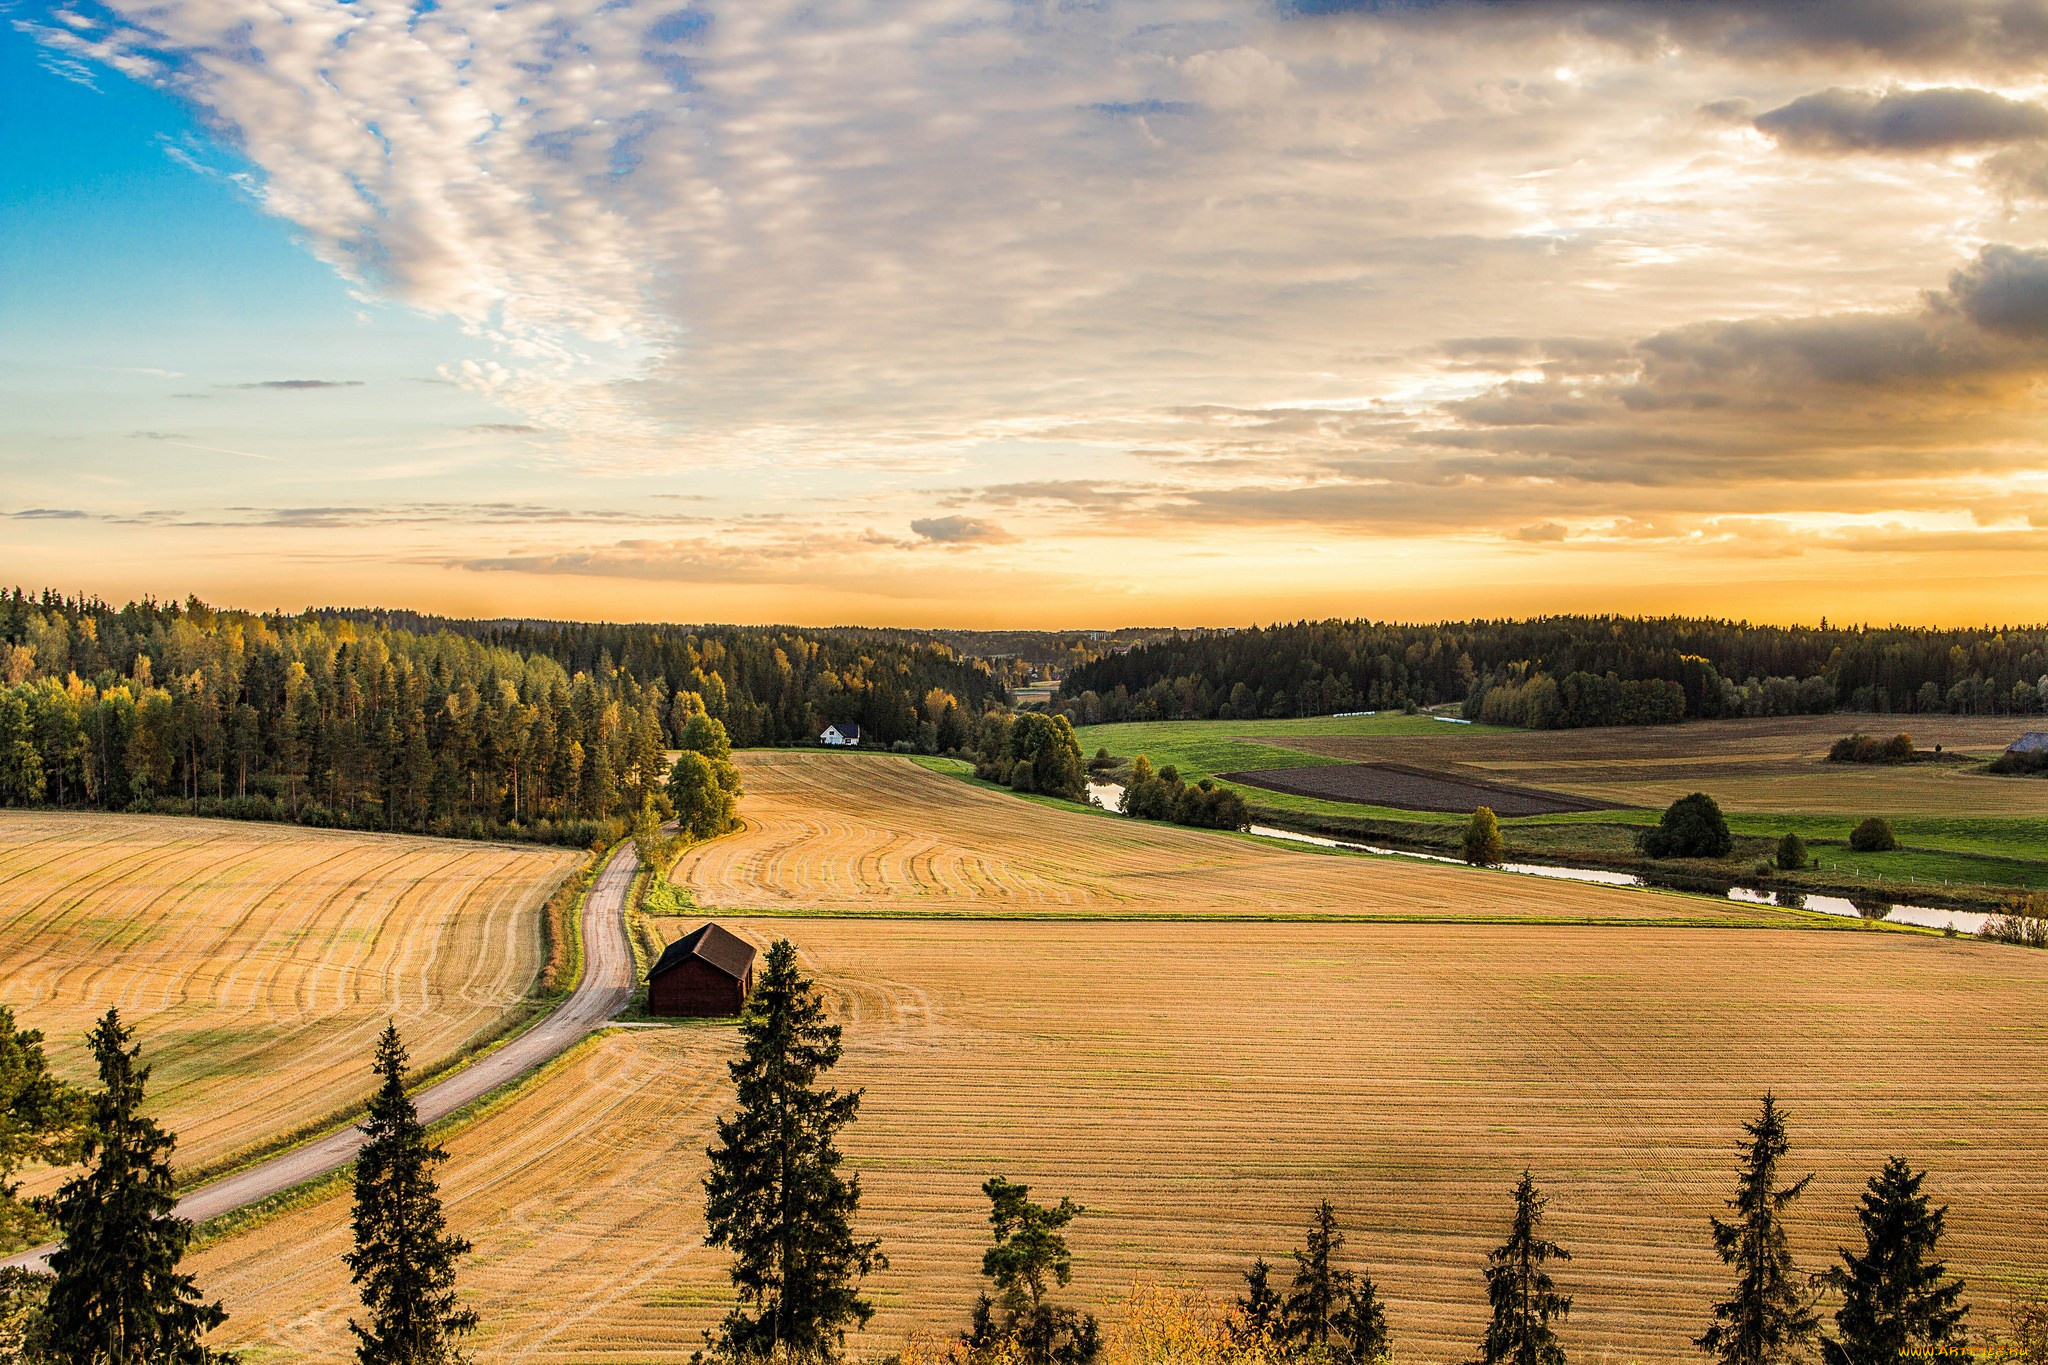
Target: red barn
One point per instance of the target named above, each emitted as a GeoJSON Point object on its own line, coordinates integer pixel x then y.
{"type": "Point", "coordinates": [705, 974]}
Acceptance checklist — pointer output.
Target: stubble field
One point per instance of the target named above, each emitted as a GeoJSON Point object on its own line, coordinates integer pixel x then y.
{"type": "Point", "coordinates": [258, 962]}
{"type": "Point", "coordinates": [1200, 1086]}
{"type": "Point", "coordinates": [853, 834]}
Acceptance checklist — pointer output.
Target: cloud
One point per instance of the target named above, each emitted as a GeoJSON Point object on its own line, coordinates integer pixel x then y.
{"type": "Point", "coordinates": [47, 514]}
{"type": "Point", "coordinates": [1936, 120]}
{"type": "Point", "coordinates": [1457, 270]}
{"type": "Point", "coordinates": [300, 385]}
{"type": "Point", "coordinates": [960, 531]}
{"type": "Point", "coordinates": [2005, 290]}
{"type": "Point", "coordinates": [2002, 32]}
{"type": "Point", "coordinates": [157, 436]}
{"type": "Point", "coordinates": [1541, 532]}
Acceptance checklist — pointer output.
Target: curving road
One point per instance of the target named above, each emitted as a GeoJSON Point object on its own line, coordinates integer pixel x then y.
{"type": "Point", "coordinates": [608, 978]}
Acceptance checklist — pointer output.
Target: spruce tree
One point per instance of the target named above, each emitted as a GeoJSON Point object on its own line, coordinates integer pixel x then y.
{"type": "Point", "coordinates": [1895, 1296]}
{"type": "Point", "coordinates": [1258, 1308]}
{"type": "Point", "coordinates": [38, 1119]}
{"type": "Point", "coordinates": [1523, 1297]}
{"type": "Point", "coordinates": [116, 1296]}
{"type": "Point", "coordinates": [1768, 1318]}
{"type": "Point", "coordinates": [1320, 1284]}
{"type": "Point", "coordinates": [775, 1196]}
{"type": "Point", "coordinates": [403, 1263]}
{"type": "Point", "coordinates": [1362, 1323]}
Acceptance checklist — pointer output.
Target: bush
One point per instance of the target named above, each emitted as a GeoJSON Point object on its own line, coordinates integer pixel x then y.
{"type": "Point", "coordinates": [2025, 763]}
{"type": "Point", "coordinates": [1791, 853]}
{"type": "Point", "coordinates": [1692, 827]}
{"type": "Point", "coordinates": [2023, 920]}
{"type": "Point", "coordinates": [1873, 836]}
{"type": "Point", "coordinates": [1862, 748]}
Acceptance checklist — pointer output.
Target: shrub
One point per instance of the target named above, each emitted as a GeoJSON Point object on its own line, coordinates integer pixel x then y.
{"type": "Point", "coordinates": [1791, 853]}
{"type": "Point", "coordinates": [1873, 836]}
{"type": "Point", "coordinates": [2023, 920]}
{"type": "Point", "coordinates": [1862, 748]}
{"type": "Point", "coordinates": [2025, 763]}
{"type": "Point", "coordinates": [1691, 828]}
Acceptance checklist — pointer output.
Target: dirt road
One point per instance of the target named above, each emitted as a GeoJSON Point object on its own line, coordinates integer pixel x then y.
{"type": "Point", "coordinates": [607, 984]}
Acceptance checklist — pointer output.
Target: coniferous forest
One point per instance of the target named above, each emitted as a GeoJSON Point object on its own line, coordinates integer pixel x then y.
{"type": "Point", "coordinates": [1562, 672]}
{"type": "Point", "coordinates": [388, 721]}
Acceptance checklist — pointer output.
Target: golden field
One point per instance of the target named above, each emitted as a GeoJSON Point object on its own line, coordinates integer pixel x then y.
{"type": "Point", "coordinates": [1200, 1085]}
{"type": "Point", "coordinates": [874, 834]}
{"type": "Point", "coordinates": [258, 962]}
{"type": "Point", "coordinates": [1768, 766]}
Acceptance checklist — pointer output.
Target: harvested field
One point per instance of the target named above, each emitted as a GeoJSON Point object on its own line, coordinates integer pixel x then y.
{"type": "Point", "coordinates": [258, 962]}
{"type": "Point", "coordinates": [1776, 765]}
{"type": "Point", "coordinates": [1406, 788]}
{"type": "Point", "coordinates": [1170, 1078]}
{"type": "Point", "coordinates": [867, 835]}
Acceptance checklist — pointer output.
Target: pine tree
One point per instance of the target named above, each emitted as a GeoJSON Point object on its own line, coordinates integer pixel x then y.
{"type": "Point", "coordinates": [1027, 1257]}
{"type": "Point", "coordinates": [115, 1295]}
{"type": "Point", "coordinates": [1895, 1295]}
{"type": "Point", "coordinates": [1320, 1284]}
{"type": "Point", "coordinates": [1767, 1319]}
{"type": "Point", "coordinates": [1523, 1297]}
{"type": "Point", "coordinates": [775, 1196]}
{"type": "Point", "coordinates": [404, 1260]}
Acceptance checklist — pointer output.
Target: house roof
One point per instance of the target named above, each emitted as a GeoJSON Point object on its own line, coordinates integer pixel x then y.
{"type": "Point", "coordinates": [847, 730]}
{"type": "Point", "coordinates": [2032, 742]}
{"type": "Point", "coordinates": [712, 945]}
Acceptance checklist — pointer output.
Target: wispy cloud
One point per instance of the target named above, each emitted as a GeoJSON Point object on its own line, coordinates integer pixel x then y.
{"type": "Point", "coordinates": [300, 385]}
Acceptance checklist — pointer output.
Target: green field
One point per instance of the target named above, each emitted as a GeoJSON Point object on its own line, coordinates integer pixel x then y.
{"type": "Point", "coordinates": [1964, 832]}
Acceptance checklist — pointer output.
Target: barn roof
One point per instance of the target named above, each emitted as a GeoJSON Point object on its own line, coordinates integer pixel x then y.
{"type": "Point", "coordinates": [712, 945]}
{"type": "Point", "coordinates": [2033, 742]}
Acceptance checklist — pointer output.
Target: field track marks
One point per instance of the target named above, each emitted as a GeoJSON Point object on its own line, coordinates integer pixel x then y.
{"type": "Point", "coordinates": [258, 961]}
{"type": "Point", "coordinates": [874, 833]}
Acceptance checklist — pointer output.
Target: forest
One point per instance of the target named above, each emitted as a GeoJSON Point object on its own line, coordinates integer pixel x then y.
{"type": "Point", "coordinates": [391, 721]}
{"type": "Point", "coordinates": [1563, 672]}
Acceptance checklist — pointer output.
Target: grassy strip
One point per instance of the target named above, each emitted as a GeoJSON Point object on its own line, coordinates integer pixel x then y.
{"type": "Point", "coordinates": [1770, 917]}
{"type": "Point", "coordinates": [313, 1191]}
{"type": "Point", "coordinates": [564, 904]}
{"type": "Point", "coordinates": [1954, 881]}
{"type": "Point", "coordinates": [562, 928]}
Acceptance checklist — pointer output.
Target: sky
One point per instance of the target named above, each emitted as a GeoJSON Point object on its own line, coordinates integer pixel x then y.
{"type": "Point", "coordinates": [998, 313]}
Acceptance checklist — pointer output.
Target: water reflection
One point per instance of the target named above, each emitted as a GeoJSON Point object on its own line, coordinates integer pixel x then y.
{"type": "Point", "coordinates": [1106, 795]}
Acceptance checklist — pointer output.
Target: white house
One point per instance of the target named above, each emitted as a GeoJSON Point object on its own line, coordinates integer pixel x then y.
{"type": "Point", "coordinates": [840, 735]}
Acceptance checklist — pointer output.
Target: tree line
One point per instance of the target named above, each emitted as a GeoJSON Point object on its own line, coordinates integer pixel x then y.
{"type": "Point", "coordinates": [1565, 671]}
{"type": "Point", "coordinates": [778, 1200]}
{"type": "Point", "coordinates": [501, 731]}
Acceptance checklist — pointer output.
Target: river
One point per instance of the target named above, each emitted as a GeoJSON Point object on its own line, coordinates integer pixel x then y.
{"type": "Point", "coordinates": [1106, 795]}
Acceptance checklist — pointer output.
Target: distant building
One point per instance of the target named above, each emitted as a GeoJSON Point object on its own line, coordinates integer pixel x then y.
{"type": "Point", "coordinates": [2032, 742]}
{"type": "Point", "coordinates": [840, 735]}
{"type": "Point", "coordinates": [706, 974]}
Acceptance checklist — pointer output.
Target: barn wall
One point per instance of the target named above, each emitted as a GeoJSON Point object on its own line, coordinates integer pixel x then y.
{"type": "Point", "coordinates": [696, 990]}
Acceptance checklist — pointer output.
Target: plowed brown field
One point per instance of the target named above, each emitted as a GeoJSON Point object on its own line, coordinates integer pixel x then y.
{"type": "Point", "coordinates": [1776, 765]}
{"type": "Point", "coordinates": [258, 962]}
{"type": "Point", "coordinates": [1199, 1086]}
{"type": "Point", "coordinates": [873, 834]}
